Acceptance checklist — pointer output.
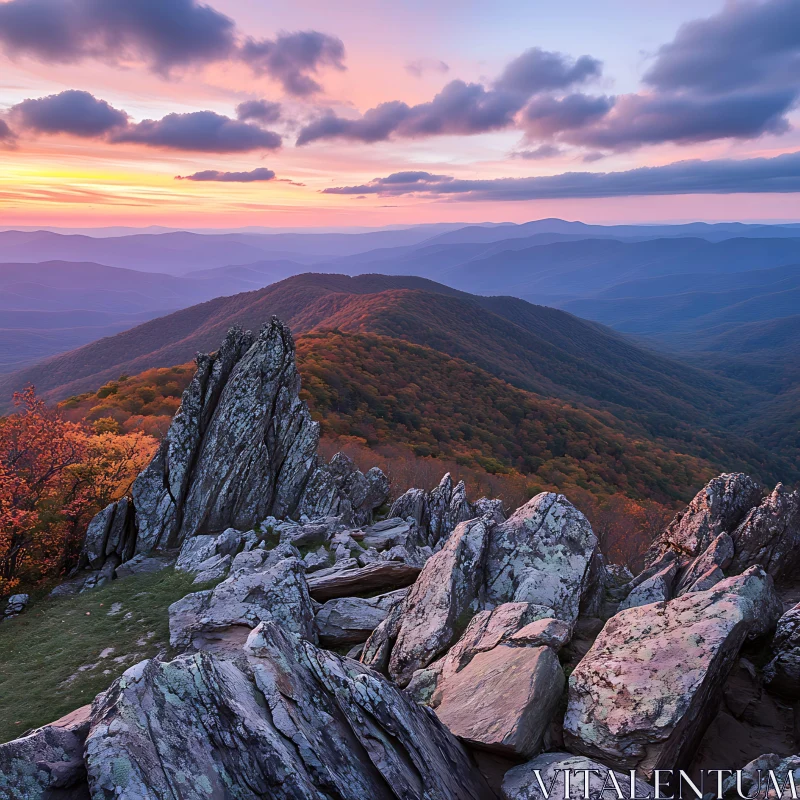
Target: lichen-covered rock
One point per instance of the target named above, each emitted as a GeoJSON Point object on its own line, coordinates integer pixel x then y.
{"type": "Point", "coordinates": [37, 766]}
{"type": "Point", "coordinates": [442, 601]}
{"type": "Point", "coordinates": [439, 511]}
{"type": "Point", "coordinates": [340, 489]}
{"type": "Point", "coordinates": [278, 593]}
{"type": "Point", "coordinates": [770, 535]}
{"type": "Point", "coordinates": [523, 782]}
{"type": "Point", "coordinates": [350, 620]}
{"type": "Point", "coordinates": [644, 694]}
{"type": "Point", "coordinates": [543, 554]}
{"type": "Point", "coordinates": [782, 674]}
{"type": "Point", "coordinates": [503, 700]}
{"type": "Point", "coordinates": [717, 508]}
{"type": "Point", "coordinates": [289, 722]}
{"type": "Point", "coordinates": [240, 448]}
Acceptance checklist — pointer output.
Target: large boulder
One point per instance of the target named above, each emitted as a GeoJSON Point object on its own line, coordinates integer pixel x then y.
{"type": "Point", "coordinates": [552, 770]}
{"type": "Point", "coordinates": [503, 700]}
{"type": "Point", "coordinates": [644, 694]}
{"type": "Point", "coordinates": [47, 763]}
{"type": "Point", "coordinates": [289, 722]}
{"type": "Point", "coordinates": [243, 600]}
{"type": "Point", "coordinates": [486, 630]}
{"type": "Point", "coordinates": [782, 674]}
{"type": "Point", "coordinates": [770, 535]}
{"type": "Point", "coordinates": [545, 553]}
{"type": "Point", "coordinates": [442, 601]}
{"type": "Point", "coordinates": [769, 775]}
{"type": "Point", "coordinates": [717, 508]}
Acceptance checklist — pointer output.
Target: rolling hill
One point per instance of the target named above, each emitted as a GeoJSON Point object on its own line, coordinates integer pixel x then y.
{"type": "Point", "coordinates": [538, 349]}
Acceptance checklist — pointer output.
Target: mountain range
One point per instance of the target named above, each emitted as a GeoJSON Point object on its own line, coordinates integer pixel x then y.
{"type": "Point", "coordinates": [539, 349]}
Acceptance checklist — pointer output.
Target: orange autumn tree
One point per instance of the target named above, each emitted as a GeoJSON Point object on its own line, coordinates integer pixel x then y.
{"type": "Point", "coordinates": [54, 476]}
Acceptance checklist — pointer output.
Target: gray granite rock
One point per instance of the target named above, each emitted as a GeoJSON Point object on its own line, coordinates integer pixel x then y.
{"type": "Point", "coordinates": [351, 620]}
{"type": "Point", "coordinates": [289, 722]}
{"type": "Point", "coordinates": [240, 448]}
{"type": "Point", "coordinates": [543, 554]}
{"type": "Point", "coordinates": [442, 601]}
{"type": "Point", "coordinates": [770, 535]}
{"type": "Point", "coordinates": [782, 674]}
{"type": "Point", "coordinates": [277, 592]}
{"type": "Point", "coordinates": [341, 489]}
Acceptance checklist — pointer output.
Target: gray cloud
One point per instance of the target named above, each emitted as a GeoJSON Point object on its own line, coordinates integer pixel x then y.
{"type": "Point", "coordinates": [74, 112]}
{"type": "Point", "coordinates": [165, 34]}
{"type": "Point", "coordinates": [636, 119]}
{"type": "Point", "coordinates": [290, 57]}
{"type": "Point", "coordinates": [780, 174]}
{"type": "Point", "coordinates": [547, 116]}
{"type": "Point", "coordinates": [460, 108]}
{"type": "Point", "coordinates": [258, 110]}
{"type": "Point", "coordinates": [200, 131]}
{"type": "Point", "coordinates": [537, 153]}
{"type": "Point", "coordinates": [538, 70]}
{"type": "Point", "coordinates": [745, 45]}
{"type": "Point", "coordinates": [259, 174]}
{"type": "Point", "coordinates": [420, 66]}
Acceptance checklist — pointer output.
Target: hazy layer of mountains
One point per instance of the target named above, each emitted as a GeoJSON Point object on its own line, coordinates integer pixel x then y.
{"type": "Point", "coordinates": [719, 301]}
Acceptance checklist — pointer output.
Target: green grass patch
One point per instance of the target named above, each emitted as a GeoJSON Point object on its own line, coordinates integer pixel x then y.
{"type": "Point", "coordinates": [50, 656]}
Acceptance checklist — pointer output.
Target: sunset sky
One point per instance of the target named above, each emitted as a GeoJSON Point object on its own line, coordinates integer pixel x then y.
{"type": "Point", "coordinates": [369, 113]}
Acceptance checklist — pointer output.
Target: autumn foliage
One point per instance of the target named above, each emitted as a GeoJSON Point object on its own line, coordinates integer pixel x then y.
{"type": "Point", "coordinates": [54, 476]}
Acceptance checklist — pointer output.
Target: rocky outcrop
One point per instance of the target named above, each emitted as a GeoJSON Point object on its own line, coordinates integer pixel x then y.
{"type": "Point", "coordinates": [770, 535]}
{"type": "Point", "coordinates": [544, 554]}
{"type": "Point", "coordinates": [438, 512]}
{"type": "Point", "coordinates": [440, 604]}
{"type": "Point", "coordinates": [350, 620]}
{"type": "Point", "coordinates": [47, 763]}
{"type": "Point", "coordinates": [288, 722]}
{"type": "Point", "coordinates": [644, 694]}
{"type": "Point", "coordinates": [717, 508]}
{"type": "Point", "coordinates": [241, 448]}
{"type": "Point", "coordinates": [782, 674]}
{"type": "Point", "coordinates": [274, 591]}
{"type": "Point", "coordinates": [549, 770]}
{"type": "Point", "coordinates": [503, 700]}
{"type": "Point", "coordinates": [340, 489]}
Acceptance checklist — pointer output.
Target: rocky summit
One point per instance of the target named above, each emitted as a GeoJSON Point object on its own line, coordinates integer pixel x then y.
{"type": "Point", "coordinates": [335, 646]}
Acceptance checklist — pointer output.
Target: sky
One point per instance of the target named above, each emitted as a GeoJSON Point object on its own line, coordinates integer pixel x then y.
{"type": "Point", "coordinates": [370, 113]}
